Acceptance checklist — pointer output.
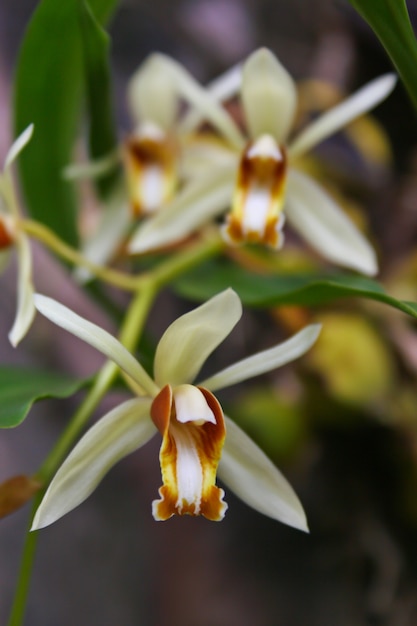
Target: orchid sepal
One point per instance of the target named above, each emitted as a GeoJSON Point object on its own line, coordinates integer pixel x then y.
{"type": "Point", "coordinates": [252, 476]}
{"type": "Point", "coordinates": [318, 218]}
{"type": "Point", "coordinates": [96, 337]}
{"type": "Point", "coordinates": [190, 339]}
{"type": "Point", "coordinates": [123, 430]}
{"type": "Point", "coordinates": [266, 360]}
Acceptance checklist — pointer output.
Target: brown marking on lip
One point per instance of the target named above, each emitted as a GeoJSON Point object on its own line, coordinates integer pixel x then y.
{"type": "Point", "coordinates": [143, 153]}
{"type": "Point", "coordinates": [265, 172]}
{"type": "Point", "coordinates": [209, 440]}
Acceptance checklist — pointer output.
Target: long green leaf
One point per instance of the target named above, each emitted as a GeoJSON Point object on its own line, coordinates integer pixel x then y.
{"type": "Point", "coordinates": [102, 134]}
{"type": "Point", "coordinates": [391, 23]}
{"type": "Point", "coordinates": [48, 87]}
{"type": "Point", "coordinates": [21, 387]}
{"type": "Point", "coordinates": [257, 290]}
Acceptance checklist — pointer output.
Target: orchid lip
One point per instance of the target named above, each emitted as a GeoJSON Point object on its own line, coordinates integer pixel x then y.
{"type": "Point", "coordinates": [256, 214]}
{"type": "Point", "coordinates": [191, 422]}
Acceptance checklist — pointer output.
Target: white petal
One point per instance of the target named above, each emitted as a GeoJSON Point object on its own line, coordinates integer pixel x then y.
{"type": "Point", "coordinates": [153, 93]}
{"type": "Point", "coordinates": [247, 471]}
{"type": "Point", "coordinates": [96, 337]}
{"type": "Point", "coordinates": [199, 98]}
{"type": "Point", "coordinates": [329, 123]}
{"type": "Point", "coordinates": [221, 89]}
{"type": "Point", "coordinates": [18, 146]}
{"type": "Point", "coordinates": [265, 361]}
{"type": "Point", "coordinates": [325, 226]}
{"type": "Point", "coordinates": [92, 169]}
{"type": "Point", "coordinates": [196, 205]}
{"type": "Point", "coordinates": [189, 340]}
{"type": "Point", "coordinates": [269, 96]}
{"type": "Point", "coordinates": [204, 154]}
{"type": "Point", "coordinates": [191, 406]}
{"type": "Point", "coordinates": [125, 429]}
{"type": "Point", "coordinates": [25, 303]}
{"type": "Point", "coordinates": [111, 231]}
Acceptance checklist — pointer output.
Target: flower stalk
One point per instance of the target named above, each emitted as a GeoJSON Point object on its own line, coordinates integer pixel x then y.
{"type": "Point", "coordinates": [147, 288]}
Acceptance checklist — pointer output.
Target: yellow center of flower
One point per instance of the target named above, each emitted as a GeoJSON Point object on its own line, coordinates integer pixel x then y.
{"type": "Point", "coordinates": [191, 422]}
{"type": "Point", "coordinates": [256, 215]}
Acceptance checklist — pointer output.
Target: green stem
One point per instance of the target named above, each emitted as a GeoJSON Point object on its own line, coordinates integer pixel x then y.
{"type": "Point", "coordinates": [54, 243]}
{"type": "Point", "coordinates": [102, 383]}
{"type": "Point", "coordinates": [19, 604]}
{"type": "Point", "coordinates": [192, 256]}
{"type": "Point", "coordinates": [129, 335]}
{"type": "Point", "coordinates": [147, 287]}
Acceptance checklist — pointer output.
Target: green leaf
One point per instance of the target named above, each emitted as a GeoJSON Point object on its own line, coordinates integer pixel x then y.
{"type": "Point", "coordinates": [102, 134]}
{"type": "Point", "coordinates": [21, 387]}
{"type": "Point", "coordinates": [391, 23]}
{"type": "Point", "coordinates": [48, 88]}
{"type": "Point", "coordinates": [257, 290]}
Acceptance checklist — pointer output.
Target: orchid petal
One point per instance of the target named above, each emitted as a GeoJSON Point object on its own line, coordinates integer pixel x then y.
{"type": "Point", "coordinates": [325, 226]}
{"type": "Point", "coordinates": [199, 98]}
{"type": "Point", "coordinates": [339, 116]}
{"type": "Point", "coordinates": [92, 169]}
{"type": "Point", "coordinates": [265, 361]}
{"type": "Point", "coordinates": [191, 338]}
{"type": "Point", "coordinates": [96, 337]}
{"type": "Point", "coordinates": [248, 472]}
{"type": "Point", "coordinates": [153, 93]}
{"type": "Point", "coordinates": [269, 96]}
{"type": "Point", "coordinates": [111, 231]}
{"type": "Point", "coordinates": [18, 145]}
{"type": "Point", "coordinates": [206, 153]}
{"type": "Point", "coordinates": [221, 89]}
{"type": "Point", "coordinates": [25, 304]}
{"type": "Point", "coordinates": [123, 430]}
{"type": "Point", "coordinates": [197, 204]}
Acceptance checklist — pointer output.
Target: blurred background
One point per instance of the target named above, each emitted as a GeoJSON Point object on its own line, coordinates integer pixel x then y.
{"type": "Point", "coordinates": [341, 424]}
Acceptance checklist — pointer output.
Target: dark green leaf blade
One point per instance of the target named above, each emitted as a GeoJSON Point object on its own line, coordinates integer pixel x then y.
{"type": "Point", "coordinates": [47, 93]}
{"type": "Point", "coordinates": [48, 89]}
{"type": "Point", "coordinates": [257, 290]}
{"type": "Point", "coordinates": [102, 134]}
{"type": "Point", "coordinates": [391, 23]}
{"type": "Point", "coordinates": [21, 387]}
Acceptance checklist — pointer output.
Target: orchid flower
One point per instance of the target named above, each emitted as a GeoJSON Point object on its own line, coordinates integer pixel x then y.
{"type": "Point", "coordinates": [12, 235]}
{"type": "Point", "coordinates": [261, 181]}
{"type": "Point", "coordinates": [152, 153]}
{"type": "Point", "coordinates": [198, 441]}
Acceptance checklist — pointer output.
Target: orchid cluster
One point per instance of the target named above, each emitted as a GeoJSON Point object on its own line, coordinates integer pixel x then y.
{"type": "Point", "coordinates": [178, 179]}
{"type": "Point", "coordinates": [200, 178]}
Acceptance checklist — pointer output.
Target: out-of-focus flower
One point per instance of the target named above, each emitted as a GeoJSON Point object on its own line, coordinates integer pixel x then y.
{"type": "Point", "coordinates": [261, 180]}
{"type": "Point", "coordinates": [11, 235]}
{"type": "Point", "coordinates": [152, 153]}
{"type": "Point", "coordinates": [198, 441]}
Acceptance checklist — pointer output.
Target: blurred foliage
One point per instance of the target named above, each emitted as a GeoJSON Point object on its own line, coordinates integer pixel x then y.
{"type": "Point", "coordinates": [48, 89]}
{"type": "Point", "coordinates": [391, 23]}
{"type": "Point", "coordinates": [259, 290]}
{"type": "Point", "coordinates": [274, 421]}
{"type": "Point", "coordinates": [20, 387]}
{"type": "Point", "coordinates": [352, 358]}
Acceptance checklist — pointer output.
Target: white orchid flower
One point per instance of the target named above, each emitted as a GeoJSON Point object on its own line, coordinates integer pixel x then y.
{"type": "Point", "coordinates": [198, 441]}
{"type": "Point", "coordinates": [12, 235]}
{"type": "Point", "coordinates": [152, 154]}
{"type": "Point", "coordinates": [260, 179]}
